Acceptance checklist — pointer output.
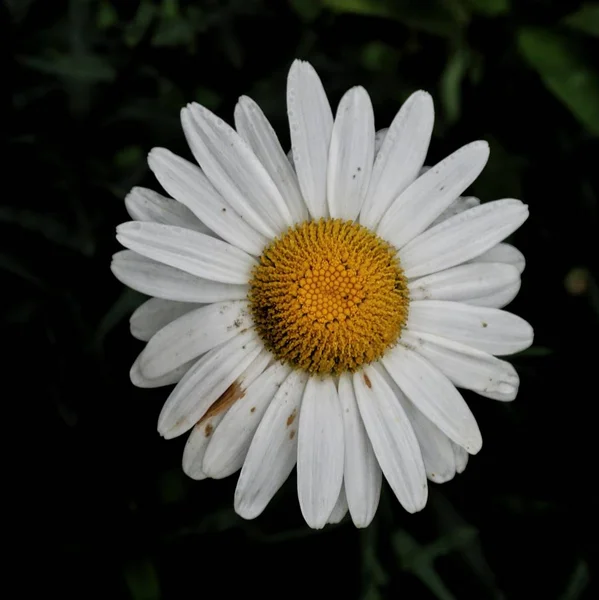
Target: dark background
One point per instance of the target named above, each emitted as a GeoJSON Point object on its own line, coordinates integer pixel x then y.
{"type": "Point", "coordinates": [94, 85]}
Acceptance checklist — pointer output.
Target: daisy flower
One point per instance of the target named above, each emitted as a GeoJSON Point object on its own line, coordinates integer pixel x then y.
{"type": "Point", "coordinates": [320, 309]}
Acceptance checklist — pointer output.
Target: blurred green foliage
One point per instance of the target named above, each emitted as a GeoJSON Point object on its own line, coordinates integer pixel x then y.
{"type": "Point", "coordinates": [95, 85]}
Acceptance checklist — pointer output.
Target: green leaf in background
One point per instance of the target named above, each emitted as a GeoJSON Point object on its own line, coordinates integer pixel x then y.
{"type": "Point", "coordinates": [87, 68]}
{"type": "Point", "coordinates": [107, 16]}
{"type": "Point", "coordinates": [579, 582]}
{"type": "Point", "coordinates": [585, 19]}
{"type": "Point", "coordinates": [451, 83]}
{"type": "Point", "coordinates": [378, 56]}
{"type": "Point", "coordinates": [435, 17]}
{"type": "Point", "coordinates": [489, 8]}
{"type": "Point", "coordinates": [142, 580]}
{"type": "Point", "coordinates": [136, 29]}
{"type": "Point", "coordinates": [308, 10]}
{"type": "Point", "coordinates": [564, 73]}
{"type": "Point", "coordinates": [126, 303]}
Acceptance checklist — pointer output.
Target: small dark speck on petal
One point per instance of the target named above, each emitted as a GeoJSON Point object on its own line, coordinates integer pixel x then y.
{"type": "Point", "coordinates": [484, 324]}
{"type": "Point", "coordinates": [367, 380]}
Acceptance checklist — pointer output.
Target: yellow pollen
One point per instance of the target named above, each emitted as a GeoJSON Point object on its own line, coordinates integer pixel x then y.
{"type": "Point", "coordinates": [329, 296]}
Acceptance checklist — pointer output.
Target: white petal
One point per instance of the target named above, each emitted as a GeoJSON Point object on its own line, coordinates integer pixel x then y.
{"type": "Point", "coordinates": [139, 380]}
{"type": "Point", "coordinates": [195, 253]}
{"type": "Point", "coordinates": [351, 155]}
{"type": "Point", "coordinates": [202, 434]}
{"type": "Point", "coordinates": [206, 382]}
{"type": "Point", "coordinates": [197, 442]}
{"type": "Point", "coordinates": [461, 458]}
{"type": "Point", "coordinates": [434, 395]}
{"type": "Point", "coordinates": [340, 508]}
{"type": "Point", "coordinates": [400, 157]}
{"type": "Point", "coordinates": [393, 439]}
{"type": "Point", "coordinates": [146, 205]}
{"type": "Point", "coordinates": [462, 237]}
{"type": "Point", "coordinates": [499, 298]}
{"type": "Point", "coordinates": [231, 441]}
{"type": "Point", "coordinates": [310, 126]}
{"type": "Point", "coordinates": [320, 451]}
{"type": "Point", "coordinates": [379, 138]}
{"type": "Point", "coordinates": [273, 451]}
{"type": "Point", "coordinates": [465, 283]}
{"type": "Point", "coordinates": [253, 126]}
{"type": "Point", "coordinates": [156, 279]}
{"type": "Point", "coordinates": [192, 334]}
{"type": "Point", "coordinates": [455, 208]}
{"type": "Point", "coordinates": [154, 314]}
{"type": "Point", "coordinates": [437, 452]}
{"type": "Point", "coordinates": [362, 474]}
{"type": "Point", "coordinates": [186, 183]}
{"type": "Point", "coordinates": [487, 329]}
{"type": "Point", "coordinates": [425, 199]}
{"type": "Point", "coordinates": [466, 367]}
{"type": "Point", "coordinates": [235, 171]}
{"type": "Point", "coordinates": [503, 253]}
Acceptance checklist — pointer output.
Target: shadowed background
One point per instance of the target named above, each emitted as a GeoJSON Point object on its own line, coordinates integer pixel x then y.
{"type": "Point", "coordinates": [94, 86]}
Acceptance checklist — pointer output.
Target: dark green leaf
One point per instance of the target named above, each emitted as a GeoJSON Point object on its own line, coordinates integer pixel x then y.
{"type": "Point", "coordinates": [564, 73]}
{"type": "Point", "coordinates": [585, 19]}
{"type": "Point", "coordinates": [308, 10]}
{"type": "Point", "coordinates": [451, 83]}
{"type": "Point", "coordinates": [142, 580]}
{"type": "Point", "coordinates": [489, 8]}
{"type": "Point", "coordinates": [80, 67]}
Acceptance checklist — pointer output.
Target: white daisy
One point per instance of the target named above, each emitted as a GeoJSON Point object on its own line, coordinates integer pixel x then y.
{"type": "Point", "coordinates": [321, 310]}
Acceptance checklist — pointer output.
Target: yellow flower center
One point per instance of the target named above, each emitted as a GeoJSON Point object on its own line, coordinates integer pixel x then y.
{"type": "Point", "coordinates": [329, 296]}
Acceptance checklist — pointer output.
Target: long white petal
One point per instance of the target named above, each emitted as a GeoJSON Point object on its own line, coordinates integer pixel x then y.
{"type": "Point", "coordinates": [351, 155]}
{"type": "Point", "coordinates": [434, 395]}
{"type": "Point", "coordinates": [253, 126]}
{"type": "Point", "coordinates": [310, 126]}
{"type": "Point", "coordinates": [195, 253]}
{"type": "Point", "coordinates": [462, 237]}
{"type": "Point", "coordinates": [186, 183]}
{"type": "Point", "coordinates": [320, 451]}
{"type": "Point", "coordinates": [427, 197]}
{"type": "Point", "coordinates": [273, 451]}
{"type": "Point", "coordinates": [393, 439]}
{"type": "Point", "coordinates": [230, 443]}
{"type": "Point", "coordinates": [465, 283]}
{"type": "Point", "coordinates": [211, 378]}
{"type": "Point", "coordinates": [340, 508]}
{"type": "Point", "coordinates": [379, 138]}
{"type": "Point", "coordinates": [362, 474]}
{"type": "Point", "coordinates": [461, 458]}
{"type": "Point", "coordinates": [503, 253]}
{"type": "Point", "coordinates": [146, 205]}
{"type": "Point", "coordinates": [192, 334]}
{"type": "Point", "coordinates": [488, 329]}
{"type": "Point", "coordinates": [499, 298]}
{"type": "Point", "coordinates": [401, 155]}
{"type": "Point", "coordinates": [203, 432]}
{"type": "Point", "coordinates": [436, 447]}
{"type": "Point", "coordinates": [156, 279]}
{"type": "Point", "coordinates": [465, 366]}
{"type": "Point", "coordinates": [235, 171]}
{"type": "Point", "coordinates": [139, 380]}
{"type": "Point", "coordinates": [154, 314]}
{"type": "Point", "coordinates": [459, 205]}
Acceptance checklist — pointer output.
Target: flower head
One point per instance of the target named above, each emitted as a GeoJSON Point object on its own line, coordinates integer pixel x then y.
{"type": "Point", "coordinates": [319, 309]}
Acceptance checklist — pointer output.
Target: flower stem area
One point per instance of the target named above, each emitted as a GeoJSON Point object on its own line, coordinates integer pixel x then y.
{"type": "Point", "coordinates": [95, 85]}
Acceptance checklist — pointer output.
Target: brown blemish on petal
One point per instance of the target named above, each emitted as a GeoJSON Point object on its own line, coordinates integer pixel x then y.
{"type": "Point", "coordinates": [233, 393]}
{"type": "Point", "coordinates": [484, 324]}
{"type": "Point", "coordinates": [367, 380]}
{"type": "Point", "coordinates": [292, 434]}
{"type": "Point", "coordinates": [209, 429]}
{"type": "Point", "coordinates": [253, 409]}
{"type": "Point", "coordinates": [291, 417]}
